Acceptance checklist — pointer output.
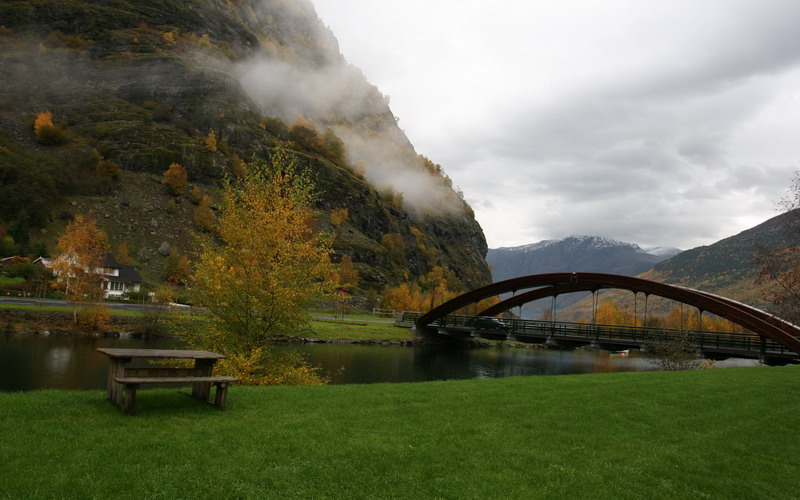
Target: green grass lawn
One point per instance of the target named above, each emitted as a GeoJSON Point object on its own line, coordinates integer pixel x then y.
{"type": "Point", "coordinates": [324, 330]}
{"type": "Point", "coordinates": [66, 309]}
{"type": "Point", "coordinates": [701, 434]}
{"type": "Point", "coordinates": [11, 281]}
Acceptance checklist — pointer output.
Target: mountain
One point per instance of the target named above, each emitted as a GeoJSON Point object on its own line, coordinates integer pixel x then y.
{"type": "Point", "coordinates": [725, 268]}
{"type": "Point", "coordinates": [99, 98]}
{"type": "Point", "coordinates": [574, 254]}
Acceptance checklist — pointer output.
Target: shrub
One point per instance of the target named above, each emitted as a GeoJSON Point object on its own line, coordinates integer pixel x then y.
{"type": "Point", "coordinates": [203, 217]}
{"type": "Point", "coordinates": [176, 178]}
{"type": "Point", "coordinates": [196, 195]}
{"type": "Point", "coordinates": [46, 133]}
{"type": "Point", "coordinates": [109, 169]}
{"type": "Point", "coordinates": [238, 167]}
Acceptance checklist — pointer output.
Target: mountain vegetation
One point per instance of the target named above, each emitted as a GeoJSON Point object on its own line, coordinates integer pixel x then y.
{"type": "Point", "coordinates": [777, 260]}
{"type": "Point", "coordinates": [136, 111]}
{"type": "Point", "coordinates": [727, 267]}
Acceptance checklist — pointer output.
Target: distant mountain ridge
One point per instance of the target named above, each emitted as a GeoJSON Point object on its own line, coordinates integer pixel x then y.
{"type": "Point", "coordinates": [727, 266]}
{"type": "Point", "coordinates": [574, 254]}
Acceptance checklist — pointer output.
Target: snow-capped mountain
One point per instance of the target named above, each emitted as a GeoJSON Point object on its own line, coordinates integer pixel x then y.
{"type": "Point", "coordinates": [575, 254]}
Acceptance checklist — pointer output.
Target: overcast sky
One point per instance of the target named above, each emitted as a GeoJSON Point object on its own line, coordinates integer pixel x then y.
{"type": "Point", "coordinates": [659, 122]}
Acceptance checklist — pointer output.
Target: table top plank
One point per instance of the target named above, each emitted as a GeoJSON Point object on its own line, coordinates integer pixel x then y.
{"type": "Point", "coordinates": [174, 380]}
{"type": "Point", "coordinates": [118, 353]}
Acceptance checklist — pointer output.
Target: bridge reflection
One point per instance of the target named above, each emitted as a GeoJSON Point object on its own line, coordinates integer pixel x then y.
{"type": "Point", "coordinates": [608, 337]}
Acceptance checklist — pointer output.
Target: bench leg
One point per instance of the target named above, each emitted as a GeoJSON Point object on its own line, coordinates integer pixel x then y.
{"type": "Point", "coordinates": [130, 399]}
{"type": "Point", "coordinates": [221, 395]}
{"type": "Point", "coordinates": [203, 367]}
{"type": "Point", "coordinates": [115, 390]}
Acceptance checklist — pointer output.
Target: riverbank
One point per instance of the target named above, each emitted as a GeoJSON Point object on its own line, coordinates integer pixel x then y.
{"type": "Point", "coordinates": [698, 434]}
{"type": "Point", "coordinates": [58, 320]}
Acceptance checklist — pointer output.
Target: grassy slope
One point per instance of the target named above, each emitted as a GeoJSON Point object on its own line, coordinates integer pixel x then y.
{"type": "Point", "coordinates": [47, 317]}
{"type": "Point", "coordinates": [702, 434]}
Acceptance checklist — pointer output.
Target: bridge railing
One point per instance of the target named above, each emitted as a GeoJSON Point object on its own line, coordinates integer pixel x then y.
{"type": "Point", "coordinates": [704, 340]}
{"type": "Point", "coordinates": [409, 317]}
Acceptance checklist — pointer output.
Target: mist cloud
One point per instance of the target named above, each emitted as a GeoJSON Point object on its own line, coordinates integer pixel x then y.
{"type": "Point", "coordinates": [338, 95]}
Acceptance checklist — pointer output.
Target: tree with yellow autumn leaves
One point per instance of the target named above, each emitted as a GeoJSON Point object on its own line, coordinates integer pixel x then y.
{"type": "Point", "coordinates": [263, 268]}
{"type": "Point", "coordinates": [79, 268]}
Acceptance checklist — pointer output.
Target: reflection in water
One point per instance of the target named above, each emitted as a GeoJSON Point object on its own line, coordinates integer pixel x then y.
{"type": "Point", "coordinates": [353, 364]}
{"type": "Point", "coordinates": [29, 362]}
{"type": "Point", "coordinates": [58, 359]}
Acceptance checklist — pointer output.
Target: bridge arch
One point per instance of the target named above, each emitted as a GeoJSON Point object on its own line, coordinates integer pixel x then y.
{"type": "Point", "coordinates": [544, 285]}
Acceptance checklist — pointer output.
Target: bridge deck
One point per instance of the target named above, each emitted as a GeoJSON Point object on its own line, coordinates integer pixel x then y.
{"type": "Point", "coordinates": [534, 331]}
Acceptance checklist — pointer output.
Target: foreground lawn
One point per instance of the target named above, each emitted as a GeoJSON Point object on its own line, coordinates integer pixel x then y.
{"type": "Point", "coordinates": [703, 434]}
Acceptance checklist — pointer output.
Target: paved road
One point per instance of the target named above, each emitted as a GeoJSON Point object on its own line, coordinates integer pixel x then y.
{"type": "Point", "coordinates": [132, 306]}
{"type": "Point", "coordinates": [121, 306]}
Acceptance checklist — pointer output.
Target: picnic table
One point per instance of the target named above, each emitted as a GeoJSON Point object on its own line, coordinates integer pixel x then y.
{"type": "Point", "coordinates": [123, 381]}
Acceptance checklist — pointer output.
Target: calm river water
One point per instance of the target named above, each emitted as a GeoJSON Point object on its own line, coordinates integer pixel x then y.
{"type": "Point", "coordinates": [30, 362]}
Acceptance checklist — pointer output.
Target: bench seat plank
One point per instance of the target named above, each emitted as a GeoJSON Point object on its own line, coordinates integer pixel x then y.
{"type": "Point", "coordinates": [131, 384]}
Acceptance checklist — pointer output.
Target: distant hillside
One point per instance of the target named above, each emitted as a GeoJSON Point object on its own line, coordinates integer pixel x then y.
{"type": "Point", "coordinates": [725, 268]}
{"type": "Point", "coordinates": [123, 89]}
{"type": "Point", "coordinates": [573, 254]}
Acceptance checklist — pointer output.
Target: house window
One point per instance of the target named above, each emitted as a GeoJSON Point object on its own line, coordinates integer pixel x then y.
{"type": "Point", "coordinates": [116, 286]}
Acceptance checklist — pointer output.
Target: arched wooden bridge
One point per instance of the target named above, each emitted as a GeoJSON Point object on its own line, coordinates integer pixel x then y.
{"type": "Point", "coordinates": [769, 328]}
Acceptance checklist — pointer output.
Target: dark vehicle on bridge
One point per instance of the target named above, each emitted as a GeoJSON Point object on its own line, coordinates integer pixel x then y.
{"type": "Point", "coordinates": [488, 323]}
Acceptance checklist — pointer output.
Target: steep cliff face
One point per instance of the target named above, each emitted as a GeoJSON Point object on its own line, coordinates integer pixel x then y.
{"type": "Point", "coordinates": [140, 85]}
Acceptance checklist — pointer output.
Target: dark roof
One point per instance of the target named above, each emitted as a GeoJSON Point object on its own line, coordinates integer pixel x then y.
{"type": "Point", "coordinates": [126, 273]}
{"type": "Point", "coordinates": [130, 274]}
{"type": "Point", "coordinates": [110, 261]}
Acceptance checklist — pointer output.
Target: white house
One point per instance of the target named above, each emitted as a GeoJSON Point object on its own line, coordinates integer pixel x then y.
{"type": "Point", "coordinates": [117, 278]}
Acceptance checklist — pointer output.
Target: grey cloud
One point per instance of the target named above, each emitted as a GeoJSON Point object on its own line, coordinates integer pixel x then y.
{"type": "Point", "coordinates": [666, 139]}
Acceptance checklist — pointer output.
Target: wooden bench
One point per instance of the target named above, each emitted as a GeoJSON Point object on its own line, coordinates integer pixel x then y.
{"type": "Point", "coordinates": [124, 380]}
{"type": "Point", "coordinates": [132, 384]}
